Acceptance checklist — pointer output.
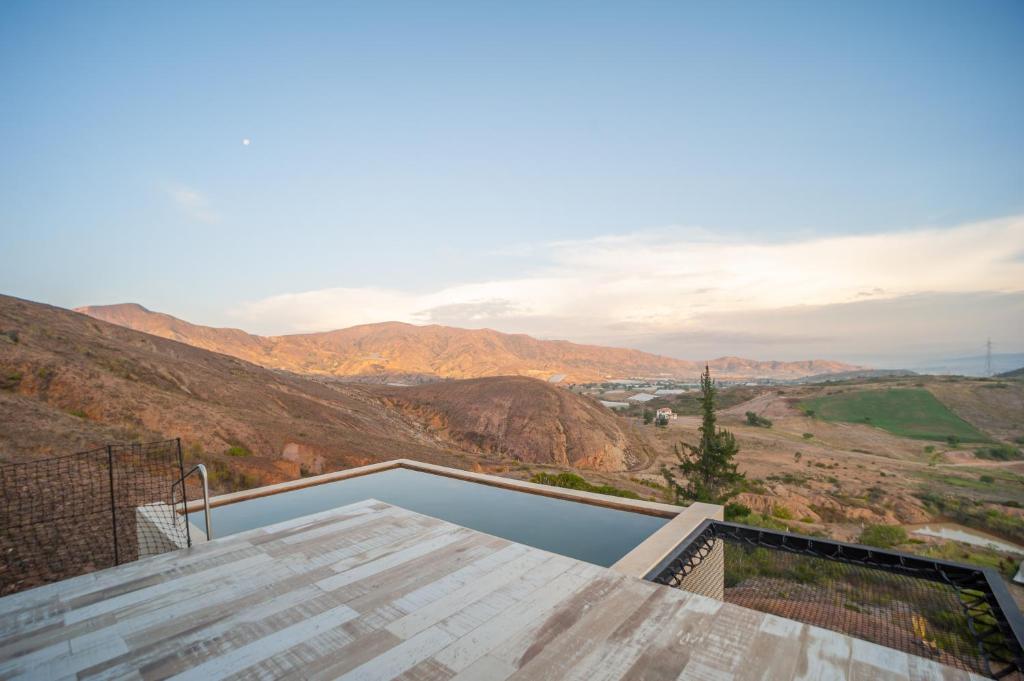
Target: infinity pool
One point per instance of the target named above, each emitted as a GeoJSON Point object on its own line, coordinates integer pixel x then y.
{"type": "Point", "coordinates": [591, 533]}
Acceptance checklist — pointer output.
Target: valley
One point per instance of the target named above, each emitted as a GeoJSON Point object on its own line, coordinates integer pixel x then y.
{"type": "Point", "coordinates": [816, 472]}
{"type": "Point", "coordinates": [827, 458]}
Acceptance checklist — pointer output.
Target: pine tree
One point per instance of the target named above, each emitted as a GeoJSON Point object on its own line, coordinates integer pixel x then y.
{"type": "Point", "coordinates": [708, 468]}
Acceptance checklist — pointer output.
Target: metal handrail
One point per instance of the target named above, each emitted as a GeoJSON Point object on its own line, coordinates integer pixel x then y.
{"type": "Point", "coordinates": [201, 470]}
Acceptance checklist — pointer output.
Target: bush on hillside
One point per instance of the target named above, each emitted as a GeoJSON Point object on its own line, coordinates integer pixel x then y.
{"type": "Point", "coordinates": [734, 511]}
{"type": "Point", "coordinates": [573, 481]}
{"type": "Point", "coordinates": [883, 536]}
{"type": "Point", "coordinates": [754, 420]}
{"type": "Point", "coordinates": [1000, 452]}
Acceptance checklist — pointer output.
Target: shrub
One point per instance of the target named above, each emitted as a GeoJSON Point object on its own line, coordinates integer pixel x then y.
{"type": "Point", "coordinates": [952, 440]}
{"type": "Point", "coordinates": [573, 481]}
{"type": "Point", "coordinates": [734, 511]}
{"type": "Point", "coordinates": [1000, 452]}
{"type": "Point", "coordinates": [10, 380]}
{"type": "Point", "coordinates": [883, 536]}
{"type": "Point", "coordinates": [237, 450]}
{"type": "Point", "coordinates": [808, 436]}
{"type": "Point", "coordinates": [928, 449]}
{"type": "Point", "coordinates": [754, 420]}
{"type": "Point", "coordinates": [765, 521]}
{"type": "Point", "coordinates": [752, 485]}
{"type": "Point", "coordinates": [987, 479]}
{"type": "Point", "coordinates": [789, 479]}
{"type": "Point", "coordinates": [222, 476]}
{"type": "Point", "coordinates": [782, 513]}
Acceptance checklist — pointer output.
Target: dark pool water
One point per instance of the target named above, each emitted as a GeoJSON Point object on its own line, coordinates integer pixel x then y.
{"type": "Point", "coordinates": [590, 533]}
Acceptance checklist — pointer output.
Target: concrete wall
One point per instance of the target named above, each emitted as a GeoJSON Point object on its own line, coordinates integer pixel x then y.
{"type": "Point", "coordinates": [708, 578]}
{"type": "Point", "coordinates": [154, 530]}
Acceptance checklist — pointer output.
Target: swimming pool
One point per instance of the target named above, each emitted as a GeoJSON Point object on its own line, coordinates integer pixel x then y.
{"type": "Point", "coordinates": [582, 531]}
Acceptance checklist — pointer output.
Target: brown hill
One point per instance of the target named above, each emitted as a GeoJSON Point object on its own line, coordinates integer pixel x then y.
{"type": "Point", "coordinates": [521, 417]}
{"type": "Point", "coordinates": [397, 350]}
{"type": "Point", "coordinates": [70, 382]}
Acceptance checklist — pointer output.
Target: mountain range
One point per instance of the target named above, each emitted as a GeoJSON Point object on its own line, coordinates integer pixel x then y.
{"type": "Point", "coordinates": [394, 351]}
{"type": "Point", "coordinates": [69, 382]}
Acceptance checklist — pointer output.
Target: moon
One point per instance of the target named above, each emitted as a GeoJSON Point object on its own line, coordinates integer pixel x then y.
{"type": "Point", "coordinates": [246, 142]}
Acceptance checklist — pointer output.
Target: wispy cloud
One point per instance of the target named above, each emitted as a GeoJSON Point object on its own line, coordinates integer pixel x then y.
{"type": "Point", "coordinates": [620, 289]}
{"type": "Point", "coordinates": [192, 203]}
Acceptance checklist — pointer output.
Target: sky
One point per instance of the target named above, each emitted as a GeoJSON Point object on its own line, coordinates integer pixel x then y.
{"type": "Point", "coordinates": [773, 180]}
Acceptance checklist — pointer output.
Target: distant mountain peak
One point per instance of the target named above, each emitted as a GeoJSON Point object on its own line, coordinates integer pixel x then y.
{"type": "Point", "coordinates": [432, 351]}
{"type": "Point", "coordinates": [116, 307]}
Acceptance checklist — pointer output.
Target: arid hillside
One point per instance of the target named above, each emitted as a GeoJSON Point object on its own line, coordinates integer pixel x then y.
{"type": "Point", "coordinates": [527, 419]}
{"type": "Point", "coordinates": [70, 382]}
{"type": "Point", "coordinates": [812, 473]}
{"type": "Point", "coordinates": [406, 351]}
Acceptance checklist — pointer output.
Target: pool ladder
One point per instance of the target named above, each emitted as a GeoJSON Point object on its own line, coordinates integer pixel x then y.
{"type": "Point", "coordinates": [199, 469]}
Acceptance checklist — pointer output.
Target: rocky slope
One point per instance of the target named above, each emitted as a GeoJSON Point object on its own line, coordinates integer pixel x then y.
{"type": "Point", "coordinates": [69, 382]}
{"type": "Point", "coordinates": [396, 350]}
{"type": "Point", "coordinates": [524, 418]}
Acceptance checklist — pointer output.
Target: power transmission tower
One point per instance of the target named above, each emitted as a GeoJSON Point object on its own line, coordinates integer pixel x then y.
{"type": "Point", "coordinates": [988, 357]}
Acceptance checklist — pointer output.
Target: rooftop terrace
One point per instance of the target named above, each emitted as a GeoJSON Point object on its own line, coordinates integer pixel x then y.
{"type": "Point", "coordinates": [466, 576]}
{"type": "Point", "coordinates": [373, 591]}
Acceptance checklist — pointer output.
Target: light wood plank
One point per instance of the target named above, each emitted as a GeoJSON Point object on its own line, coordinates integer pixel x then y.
{"type": "Point", "coordinates": [372, 591]}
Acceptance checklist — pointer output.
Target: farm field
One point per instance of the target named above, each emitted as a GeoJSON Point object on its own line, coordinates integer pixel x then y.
{"type": "Point", "coordinates": [908, 412]}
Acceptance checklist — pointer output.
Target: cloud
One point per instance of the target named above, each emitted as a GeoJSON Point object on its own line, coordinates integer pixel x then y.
{"type": "Point", "coordinates": [192, 203]}
{"type": "Point", "coordinates": [666, 284]}
{"type": "Point", "coordinates": [496, 308]}
{"type": "Point", "coordinates": [888, 332]}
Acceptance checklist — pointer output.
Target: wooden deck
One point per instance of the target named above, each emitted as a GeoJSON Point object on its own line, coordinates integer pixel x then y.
{"type": "Point", "coordinates": [371, 591]}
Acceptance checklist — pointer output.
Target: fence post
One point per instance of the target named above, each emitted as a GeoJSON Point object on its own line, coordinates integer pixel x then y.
{"type": "Point", "coordinates": [184, 494]}
{"type": "Point", "coordinates": [113, 507]}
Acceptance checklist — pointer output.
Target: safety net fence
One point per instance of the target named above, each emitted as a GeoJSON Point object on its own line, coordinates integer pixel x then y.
{"type": "Point", "coordinates": [958, 615]}
{"type": "Point", "coordinates": [68, 515]}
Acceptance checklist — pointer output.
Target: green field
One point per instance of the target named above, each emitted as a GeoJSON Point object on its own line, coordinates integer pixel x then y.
{"type": "Point", "coordinates": [908, 412]}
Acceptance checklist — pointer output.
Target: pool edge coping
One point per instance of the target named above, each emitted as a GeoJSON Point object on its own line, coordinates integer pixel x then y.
{"type": "Point", "coordinates": [637, 562]}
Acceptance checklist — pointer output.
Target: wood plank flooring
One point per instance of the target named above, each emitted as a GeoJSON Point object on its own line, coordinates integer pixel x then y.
{"type": "Point", "coordinates": [372, 592]}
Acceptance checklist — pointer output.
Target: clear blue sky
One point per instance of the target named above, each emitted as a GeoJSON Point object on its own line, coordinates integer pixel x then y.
{"type": "Point", "coordinates": [411, 145]}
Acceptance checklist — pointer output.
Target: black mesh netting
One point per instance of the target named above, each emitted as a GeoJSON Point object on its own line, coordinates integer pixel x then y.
{"type": "Point", "coordinates": [73, 514]}
{"type": "Point", "coordinates": [945, 615]}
